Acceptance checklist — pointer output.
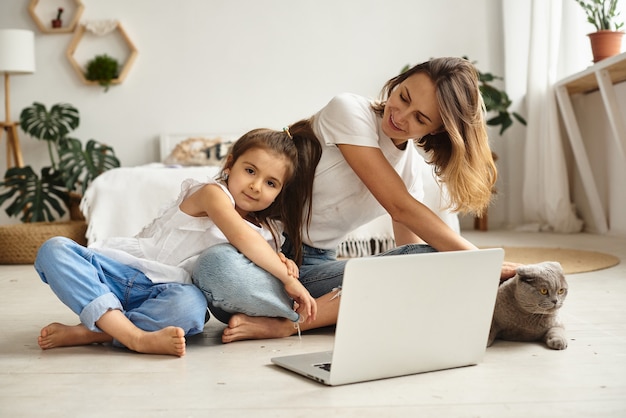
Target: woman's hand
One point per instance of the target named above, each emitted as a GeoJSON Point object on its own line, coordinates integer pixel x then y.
{"type": "Point", "coordinates": [508, 270]}
{"type": "Point", "coordinates": [306, 306]}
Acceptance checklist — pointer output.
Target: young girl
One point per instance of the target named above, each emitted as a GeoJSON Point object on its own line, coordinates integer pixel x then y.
{"type": "Point", "coordinates": [369, 167]}
{"type": "Point", "coordinates": [137, 292]}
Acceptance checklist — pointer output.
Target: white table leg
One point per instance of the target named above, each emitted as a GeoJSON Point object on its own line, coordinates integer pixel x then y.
{"type": "Point", "coordinates": [607, 90]}
{"type": "Point", "coordinates": [580, 155]}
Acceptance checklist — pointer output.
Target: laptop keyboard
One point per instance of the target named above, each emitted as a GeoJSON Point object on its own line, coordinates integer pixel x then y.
{"type": "Point", "coordinates": [323, 366]}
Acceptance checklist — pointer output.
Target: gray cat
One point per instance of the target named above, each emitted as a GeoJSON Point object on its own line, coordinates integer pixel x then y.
{"type": "Point", "coordinates": [527, 306]}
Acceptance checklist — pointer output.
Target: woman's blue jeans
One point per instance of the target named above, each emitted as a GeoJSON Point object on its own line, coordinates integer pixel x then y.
{"type": "Point", "coordinates": [233, 284]}
{"type": "Point", "coordinates": [91, 284]}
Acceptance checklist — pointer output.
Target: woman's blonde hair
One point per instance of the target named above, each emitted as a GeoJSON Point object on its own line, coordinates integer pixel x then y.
{"type": "Point", "coordinates": [460, 153]}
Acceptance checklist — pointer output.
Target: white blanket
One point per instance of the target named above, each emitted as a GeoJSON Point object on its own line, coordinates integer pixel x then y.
{"type": "Point", "coordinates": [120, 202]}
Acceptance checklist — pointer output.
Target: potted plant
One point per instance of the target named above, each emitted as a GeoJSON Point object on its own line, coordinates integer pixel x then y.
{"type": "Point", "coordinates": [498, 102]}
{"type": "Point", "coordinates": [603, 15]}
{"type": "Point", "coordinates": [102, 69]}
{"type": "Point", "coordinates": [58, 22]}
{"type": "Point", "coordinates": [72, 168]}
{"type": "Point", "coordinates": [41, 200]}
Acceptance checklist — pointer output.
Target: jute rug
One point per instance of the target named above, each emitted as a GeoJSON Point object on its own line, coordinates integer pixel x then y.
{"type": "Point", "coordinates": [572, 261]}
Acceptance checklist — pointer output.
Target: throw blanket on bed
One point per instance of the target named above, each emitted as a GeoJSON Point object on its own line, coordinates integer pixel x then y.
{"type": "Point", "coordinates": [120, 202]}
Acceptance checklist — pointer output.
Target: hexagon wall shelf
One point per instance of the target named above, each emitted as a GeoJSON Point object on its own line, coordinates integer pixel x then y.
{"type": "Point", "coordinates": [125, 68]}
{"type": "Point", "coordinates": [76, 13]}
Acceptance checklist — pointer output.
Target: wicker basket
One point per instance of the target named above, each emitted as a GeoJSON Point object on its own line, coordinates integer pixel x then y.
{"type": "Point", "coordinates": [19, 243]}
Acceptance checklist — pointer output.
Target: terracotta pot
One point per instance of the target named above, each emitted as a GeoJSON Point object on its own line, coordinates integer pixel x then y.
{"type": "Point", "coordinates": [605, 44]}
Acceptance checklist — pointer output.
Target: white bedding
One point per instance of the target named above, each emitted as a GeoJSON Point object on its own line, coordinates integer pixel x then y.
{"type": "Point", "coordinates": [121, 201]}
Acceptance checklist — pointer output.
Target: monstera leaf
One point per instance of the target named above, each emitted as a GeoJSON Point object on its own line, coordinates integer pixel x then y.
{"type": "Point", "coordinates": [49, 126]}
{"type": "Point", "coordinates": [44, 198]}
{"type": "Point", "coordinates": [80, 166]}
{"type": "Point", "coordinates": [36, 198]}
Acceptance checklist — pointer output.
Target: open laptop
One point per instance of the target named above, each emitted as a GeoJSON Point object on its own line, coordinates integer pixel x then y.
{"type": "Point", "coordinates": [408, 314]}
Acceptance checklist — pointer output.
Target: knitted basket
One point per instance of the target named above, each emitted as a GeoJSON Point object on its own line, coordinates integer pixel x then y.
{"type": "Point", "coordinates": [19, 243]}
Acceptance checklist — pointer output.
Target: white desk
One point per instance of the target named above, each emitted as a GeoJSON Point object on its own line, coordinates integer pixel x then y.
{"type": "Point", "coordinates": [603, 76]}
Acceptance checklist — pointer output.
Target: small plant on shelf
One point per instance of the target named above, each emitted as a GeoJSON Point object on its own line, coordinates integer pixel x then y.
{"type": "Point", "coordinates": [72, 168]}
{"type": "Point", "coordinates": [103, 69]}
{"type": "Point", "coordinates": [57, 23]}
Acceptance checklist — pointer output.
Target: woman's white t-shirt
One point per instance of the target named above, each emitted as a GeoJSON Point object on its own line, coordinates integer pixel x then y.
{"type": "Point", "coordinates": [341, 202]}
{"type": "Point", "coordinates": [167, 249]}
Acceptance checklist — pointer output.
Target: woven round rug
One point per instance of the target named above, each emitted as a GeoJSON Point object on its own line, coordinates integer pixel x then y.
{"type": "Point", "coordinates": [572, 261]}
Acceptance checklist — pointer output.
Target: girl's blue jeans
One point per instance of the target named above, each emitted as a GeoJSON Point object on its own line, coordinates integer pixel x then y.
{"type": "Point", "coordinates": [233, 284]}
{"type": "Point", "coordinates": [91, 284]}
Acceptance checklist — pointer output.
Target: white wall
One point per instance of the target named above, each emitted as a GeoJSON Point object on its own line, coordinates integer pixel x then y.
{"type": "Point", "coordinates": [229, 66]}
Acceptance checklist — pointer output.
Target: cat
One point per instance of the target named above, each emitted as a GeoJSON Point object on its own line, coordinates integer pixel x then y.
{"type": "Point", "coordinates": [527, 306]}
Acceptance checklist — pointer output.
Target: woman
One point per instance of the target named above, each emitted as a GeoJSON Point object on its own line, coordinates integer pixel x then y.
{"type": "Point", "coordinates": [369, 167]}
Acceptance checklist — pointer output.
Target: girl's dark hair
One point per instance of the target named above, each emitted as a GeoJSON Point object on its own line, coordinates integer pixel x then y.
{"type": "Point", "coordinates": [303, 151]}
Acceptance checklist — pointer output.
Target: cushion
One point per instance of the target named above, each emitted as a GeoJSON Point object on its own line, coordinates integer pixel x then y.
{"type": "Point", "coordinates": [199, 151]}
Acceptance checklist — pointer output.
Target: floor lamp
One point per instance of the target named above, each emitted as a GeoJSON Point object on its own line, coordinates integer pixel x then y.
{"type": "Point", "coordinates": [17, 56]}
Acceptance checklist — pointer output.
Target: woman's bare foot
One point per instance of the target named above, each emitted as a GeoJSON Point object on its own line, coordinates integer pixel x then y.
{"type": "Point", "coordinates": [61, 335]}
{"type": "Point", "coordinates": [169, 340]}
{"type": "Point", "coordinates": [244, 327]}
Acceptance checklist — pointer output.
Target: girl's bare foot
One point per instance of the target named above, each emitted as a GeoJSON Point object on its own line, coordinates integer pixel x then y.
{"type": "Point", "coordinates": [244, 327]}
{"type": "Point", "coordinates": [169, 340]}
{"type": "Point", "coordinates": [61, 335]}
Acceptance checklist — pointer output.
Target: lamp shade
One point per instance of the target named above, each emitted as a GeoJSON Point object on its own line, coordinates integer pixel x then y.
{"type": "Point", "coordinates": [17, 51]}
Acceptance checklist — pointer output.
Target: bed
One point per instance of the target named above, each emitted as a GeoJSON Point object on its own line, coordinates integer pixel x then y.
{"type": "Point", "coordinates": [121, 201]}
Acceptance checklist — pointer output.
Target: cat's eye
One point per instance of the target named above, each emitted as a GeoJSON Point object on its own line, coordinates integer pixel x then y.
{"type": "Point", "coordinates": [561, 291]}
{"type": "Point", "coordinates": [543, 291]}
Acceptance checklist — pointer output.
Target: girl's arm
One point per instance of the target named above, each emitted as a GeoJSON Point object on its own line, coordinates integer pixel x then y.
{"type": "Point", "coordinates": [211, 201]}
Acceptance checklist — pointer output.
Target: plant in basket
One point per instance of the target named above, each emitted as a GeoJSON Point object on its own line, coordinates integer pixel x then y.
{"type": "Point", "coordinates": [44, 198]}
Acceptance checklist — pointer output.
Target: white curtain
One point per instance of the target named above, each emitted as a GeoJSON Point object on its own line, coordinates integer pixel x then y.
{"type": "Point", "coordinates": [533, 39]}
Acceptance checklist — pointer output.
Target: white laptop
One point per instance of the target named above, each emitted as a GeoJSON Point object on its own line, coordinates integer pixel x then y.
{"type": "Point", "coordinates": [401, 315]}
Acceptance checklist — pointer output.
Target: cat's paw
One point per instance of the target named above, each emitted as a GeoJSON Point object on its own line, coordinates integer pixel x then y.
{"type": "Point", "coordinates": [557, 342]}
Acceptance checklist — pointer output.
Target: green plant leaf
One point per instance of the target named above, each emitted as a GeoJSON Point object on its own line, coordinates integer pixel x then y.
{"type": "Point", "coordinates": [102, 69]}
{"type": "Point", "coordinates": [602, 14]}
{"type": "Point", "coordinates": [36, 198]}
{"type": "Point", "coordinates": [519, 118]}
{"type": "Point", "coordinates": [51, 126]}
{"type": "Point", "coordinates": [80, 166]}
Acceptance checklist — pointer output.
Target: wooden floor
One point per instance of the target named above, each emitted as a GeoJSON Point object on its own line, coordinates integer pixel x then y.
{"type": "Point", "coordinates": [515, 379]}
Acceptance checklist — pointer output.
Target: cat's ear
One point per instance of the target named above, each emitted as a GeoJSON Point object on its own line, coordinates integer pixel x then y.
{"type": "Point", "coordinates": [554, 266]}
{"type": "Point", "coordinates": [525, 274]}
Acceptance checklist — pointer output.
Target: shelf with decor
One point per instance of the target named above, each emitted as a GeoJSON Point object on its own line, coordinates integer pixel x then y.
{"type": "Point", "coordinates": [96, 28]}
{"type": "Point", "coordinates": [74, 9]}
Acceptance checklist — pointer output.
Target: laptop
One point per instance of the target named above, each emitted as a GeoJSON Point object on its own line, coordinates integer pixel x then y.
{"type": "Point", "coordinates": [407, 314]}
